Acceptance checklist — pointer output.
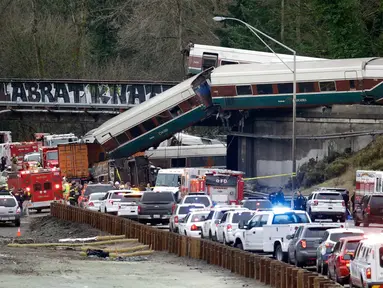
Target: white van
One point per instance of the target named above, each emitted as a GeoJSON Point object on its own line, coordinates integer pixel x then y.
{"type": "Point", "coordinates": [366, 267]}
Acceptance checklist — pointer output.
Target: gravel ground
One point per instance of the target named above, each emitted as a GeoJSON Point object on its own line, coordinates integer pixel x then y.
{"type": "Point", "coordinates": [49, 267]}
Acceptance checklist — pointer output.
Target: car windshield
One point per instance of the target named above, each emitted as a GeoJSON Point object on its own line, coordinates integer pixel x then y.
{"type": "Point", "coordinates": [7, 202]}
{"type": "Point", "coordinates": [183, 210]}
{"type": "Point", "coordinates": [290, 218]}
{"type": "Point", "coordinates": [158, 197]}
{"type": "Point", "coordinates": [52, 155]}
{"type": "Point", "coordinates": [32, 157]}
{"type": "Point", "coordinates": [90, 189]}
{"type": "Point", "coordinates": [336, 236]}
{"type": "Point", "coordinates": [351, 245]}
{"type": "Point", "coordinates": [198, 199]}
{"type": "Point", "coordinates": [315, 232]}
{"type": "Point", "coordinates": [239, 216]}
{"type": "Point", "coordinates": [329, 196]}
{"type": "Point", "coordinates": [117, 195]}
{"type": "Point", "coordinates": [254, 204]}
{"type": "Point", "coordinates": [131, 198]}
{"type": "Point", "coordinates": [96, 196]}
{"type": "Point", "coordinates": [198, 217]}
{"type": "Point", "coordinates": [168, 180]}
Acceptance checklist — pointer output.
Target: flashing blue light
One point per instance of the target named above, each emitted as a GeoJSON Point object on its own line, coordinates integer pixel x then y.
{"type": "Point", "coordinates": [281, 210]}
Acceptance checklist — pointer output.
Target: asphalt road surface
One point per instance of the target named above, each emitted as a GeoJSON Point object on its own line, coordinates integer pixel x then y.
{"type": "Point", "coordinates": [8, 230]}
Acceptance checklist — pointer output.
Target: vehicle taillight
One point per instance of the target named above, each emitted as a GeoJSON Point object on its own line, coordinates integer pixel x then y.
{"type": "Point", "coordinates": [18, 211]}
{"type": "Point", "coordinates": [90, 204]}
{"type": "Point", "coordinates": [304, 244]}
{"type": "Point", "coordinates": [194, 227]}
{"type": "Point", "coordinates": [138, 209]}
{"type": "Point", "coordinates": [315, 202]}
{"type": "Point", "coordinates": [368, 209]}
{"type": "Point", "coordinates": [229, 227]}
{"type": "Point", "coordinates": [343, 204]}
{"type": "Point", "coordinates": [176, 219]}
{"type": "Point", "coordinates": [111, 202]}
{"type": "Point", "coordinates": [368, 273]}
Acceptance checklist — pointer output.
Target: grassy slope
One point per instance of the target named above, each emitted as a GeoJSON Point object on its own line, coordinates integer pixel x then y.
{"type": "Point", "coordinates": [369, 158]}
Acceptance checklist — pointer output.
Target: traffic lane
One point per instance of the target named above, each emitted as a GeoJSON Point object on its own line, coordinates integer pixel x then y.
{"type": "Point", "coordinates": [8, 230]}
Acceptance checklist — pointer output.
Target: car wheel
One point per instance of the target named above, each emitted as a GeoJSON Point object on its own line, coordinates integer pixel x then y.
{"type": "Point", "coordinates": [318, 266]}
{"type": "Point", "coordinates": [289, 259]}
{"type": "Point", "coordinates": [350, 284]}
{"type": "Point", "coordinates": [215, 237]}
{"type": "Point", "coordinates": [297, 263]}
{"type": "Point", "coordinates": [202, 236]}
{"type": "Point", "coordinates": [224, 239]}
{"type": "Point", "coordinates": [17, 223]}
{"type": "Point", "coordinates": [365, 223]}
{"type": "Point", "coordinates": [279, 254]}
{"type": "Point", "coordinates": [239, 245]}
{"type": "Point", "coordinates": [210, 235]}
{"type": "Point", "coordinates": [324, 269]}
{"type": "Point", "coordinates": [357, 223]}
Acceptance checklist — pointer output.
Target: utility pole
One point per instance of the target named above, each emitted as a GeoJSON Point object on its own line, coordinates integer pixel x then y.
{"type": "Point", "coordinates": [39, 61]}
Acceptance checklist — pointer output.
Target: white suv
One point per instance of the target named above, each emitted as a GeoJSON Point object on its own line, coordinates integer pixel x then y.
{"type": "Point", "coordinates": [179, 214]}
{"type": "Point", "coordinates": [9, 210]}
{"type": "Point", "coordinates": [209, 228]}
{"type": "Point", "coordinates": [366, 266]}
{"type": "Point", "coordinates": [197, 198]}
{"type": "Point", "coordinates": [326, 204]}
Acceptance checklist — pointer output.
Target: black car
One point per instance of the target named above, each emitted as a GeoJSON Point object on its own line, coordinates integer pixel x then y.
{"type": "Point", "coordinates": [370, 210]}
{"type": "Point", "coordinates": [156, 207]}
{"type": "Point", "coordinates": [257, 204]}
{"type": "Point", "coordinates": [302, 250]}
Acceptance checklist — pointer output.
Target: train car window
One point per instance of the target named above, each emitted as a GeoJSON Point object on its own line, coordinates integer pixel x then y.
{"type": "Point", "coordinates": [149, 125]}
{"type": "Point", "coordinates": [135, 132]}
{"type": "Point", "coordinates": [306, 87]}
{"type": "Point", "coordinates": [244, 90]}
{"type": "Point", "coordinates": [122, 138]}
{"type": "Point", "coordinates": [209, 60]}
{"type": "Point", "coordinates": [178, 162]}
{"type": "Point", "coordinates": [185, 106]}
{"type": "Point", "coordinates": [327, 86]}
{"type": "Point", "coordinates": [194, 101]}
{"type": "Point", "coordinates": [163, 117]}
{"type": "Point", "coordinates": [110, 145]}
{"type": "Point", "coordinates": [175, 111]}
{"type": "Point", "coordinates": [285, 88]}
{"type": "Point", "coordinates": [352, 85]}
{"type": "Point", "coordinates": [225, 62]}
{"type": "Point", "coordinates": [265, 89]}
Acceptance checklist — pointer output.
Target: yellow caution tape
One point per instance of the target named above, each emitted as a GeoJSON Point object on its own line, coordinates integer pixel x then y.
{"type": "Point", "coordinates": [270, 176]}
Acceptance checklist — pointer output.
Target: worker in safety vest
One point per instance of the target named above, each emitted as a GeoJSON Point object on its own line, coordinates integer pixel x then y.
{"type": "Point", "coordinates": [72, 194]}
{"type": "Point", "coordinates": [66, 189]}
{"type": "Point", "coordinates": [27, 200]}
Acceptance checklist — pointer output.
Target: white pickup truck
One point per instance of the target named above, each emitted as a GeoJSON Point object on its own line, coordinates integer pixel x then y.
{"type": "Point", "coordinates": [266, 231]}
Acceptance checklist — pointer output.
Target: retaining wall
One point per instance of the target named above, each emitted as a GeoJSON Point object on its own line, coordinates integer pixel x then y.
{"type": "Point", "coordinates": [268, 271]}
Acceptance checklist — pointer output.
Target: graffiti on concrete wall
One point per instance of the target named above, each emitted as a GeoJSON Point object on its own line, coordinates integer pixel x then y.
{"type": "Point", "coordinates": [91, 93]}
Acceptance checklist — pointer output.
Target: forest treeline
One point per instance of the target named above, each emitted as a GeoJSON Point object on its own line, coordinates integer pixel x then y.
{"type": "Point", "coordinates": [143, 39]}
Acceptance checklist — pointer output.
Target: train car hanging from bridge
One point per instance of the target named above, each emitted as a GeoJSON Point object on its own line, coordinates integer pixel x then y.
{"type": "Point", "coordinates": [201, 57]}
{"type": "Point", "coordinates": [157, 119]}
{"type": "Point", "coordinates": [319, 83]}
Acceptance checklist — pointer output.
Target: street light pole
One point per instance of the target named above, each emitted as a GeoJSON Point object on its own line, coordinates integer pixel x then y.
{"type": "Point", "coordinates": [255, 31]}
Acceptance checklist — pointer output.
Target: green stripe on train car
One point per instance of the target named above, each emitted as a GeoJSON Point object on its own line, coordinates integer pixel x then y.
{"type": "Point", "coordinates": [160, 134]}
{"type": "Point", "coordinates": [194, 71]}
{"type": "Point", "coordinates": [264, 101]}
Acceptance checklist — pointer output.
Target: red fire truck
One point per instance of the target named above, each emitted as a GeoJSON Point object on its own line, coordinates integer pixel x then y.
{"type": "Point", "coordinates": [49, 157]}
{"type": "Point", "coordinates": [18, 150]}
{"type": "Point", "coordinates": [45, 185]}
{"type": "Point", "coordinates": [224, 187]}
{"type": "Point", "coordinates": [367, 182]}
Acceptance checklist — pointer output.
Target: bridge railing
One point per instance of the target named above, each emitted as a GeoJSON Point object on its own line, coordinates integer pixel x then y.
{"type": "Point", "coordinates": [268, 271]}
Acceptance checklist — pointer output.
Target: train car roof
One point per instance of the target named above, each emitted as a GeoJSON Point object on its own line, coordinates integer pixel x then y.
{"type": "Point", "coordinates": [143, 108]}
{"type": "Point", "coordinates": [306, 70]}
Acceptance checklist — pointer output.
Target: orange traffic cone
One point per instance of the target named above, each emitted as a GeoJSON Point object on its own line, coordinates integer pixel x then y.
{"type": "Point", "coordinates": [18, 232]}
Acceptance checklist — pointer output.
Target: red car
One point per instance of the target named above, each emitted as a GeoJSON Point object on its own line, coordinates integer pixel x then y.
{"type": "Point", "coordinates": [339, 259]}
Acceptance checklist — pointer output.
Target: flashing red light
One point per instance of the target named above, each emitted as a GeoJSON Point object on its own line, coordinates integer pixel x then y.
{"type": "Point", "coordinates": [194, 227]}
{"type": "Point", "coordinates": [229, 227]}
{"type": "Point", "coordinates": [138, 209]}
{"type": "Point", "coordinates": [315, 202]}
{"type": "Point", "coordinates": [304, 244]}
{"type": "Point", "coordinates": [111, 202]}
{"type": "Point", "coordinates": [176, 219]}
{"type": "Point", "coordinates": [368, 273]}
{"type": "Point", "coordinates": [91, 204]}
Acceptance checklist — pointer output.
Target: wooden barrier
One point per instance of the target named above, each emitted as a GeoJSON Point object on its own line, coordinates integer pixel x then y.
{"type": "Point", "coordinates": [263, 269]}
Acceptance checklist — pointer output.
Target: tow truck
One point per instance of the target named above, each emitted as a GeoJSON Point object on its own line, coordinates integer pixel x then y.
{"type": "Point", "coordinates": [45, 185]}
{"type": "Point", "coordinates": [267, 231]}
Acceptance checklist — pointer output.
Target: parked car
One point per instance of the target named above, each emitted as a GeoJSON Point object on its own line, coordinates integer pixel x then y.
{"type": "Point", "coordinates": [305, 241]}
{"type": "Point", "coordinates": [179, 214]}
{"type": "Point", "coordinates": [156, 207]}
{"type": "Point", "coordinates": [128, 206]}
{"type": "Point", "coordinates": [109, 204]}
{"type": "Point", "coordinates": [326, 205]}
{"type": "Point", "coordinates": [191, 225]}
{"type": "Point", "coordinates": [370, 212]}
{"type": "Point", "coordinates": [339, 260]}
{"type": "Point", "coordinates": [90, 189]}
{"type": "Point", "coordinates": [366, 266]}
{"type": "Point", "coordinates": [229, 224]}
{"type": "Point", "coordinates": [197, 198]}
{"type": "Point", "coordinates": [9, 210]}
{"type": "Point", "coordinates": [330, 238]}
{"type": "Point", "coordinates": [94, 201]}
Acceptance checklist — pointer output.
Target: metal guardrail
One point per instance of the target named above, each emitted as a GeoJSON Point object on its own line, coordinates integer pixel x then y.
{"type": "Point", "coordinates": [268, 271]}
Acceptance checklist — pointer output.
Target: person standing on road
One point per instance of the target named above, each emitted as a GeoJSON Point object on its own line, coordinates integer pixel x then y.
{"type": "Point", "coordinates": [300, 202]}
{"type": "Point", "coordinates": [280, 197]}
{"type": "Point", "coordinates": [346, 199]}
{"type": "Point", "coordinates": [27, 199]}
{"type": "Point", "coordinates": [3, 163]}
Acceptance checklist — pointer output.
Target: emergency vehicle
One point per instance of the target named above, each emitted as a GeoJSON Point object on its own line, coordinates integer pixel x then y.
{"type": "Point", "coordinates": [45, 185]}
{"type": "Point", "coordinates": [5, 136]}
{"type": "Point", "coordinates": [178, 180]}
{"type": "Point", "coordinates": [367, 182]}
{"type": "Point", "coordinates": [55, 139]}
{"type": "Point", "coordinates": [223, 186]}
{"type": "Point", "coordinates": [49, 157]}
{"type": "Point", "coordinates": [18, 150]}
